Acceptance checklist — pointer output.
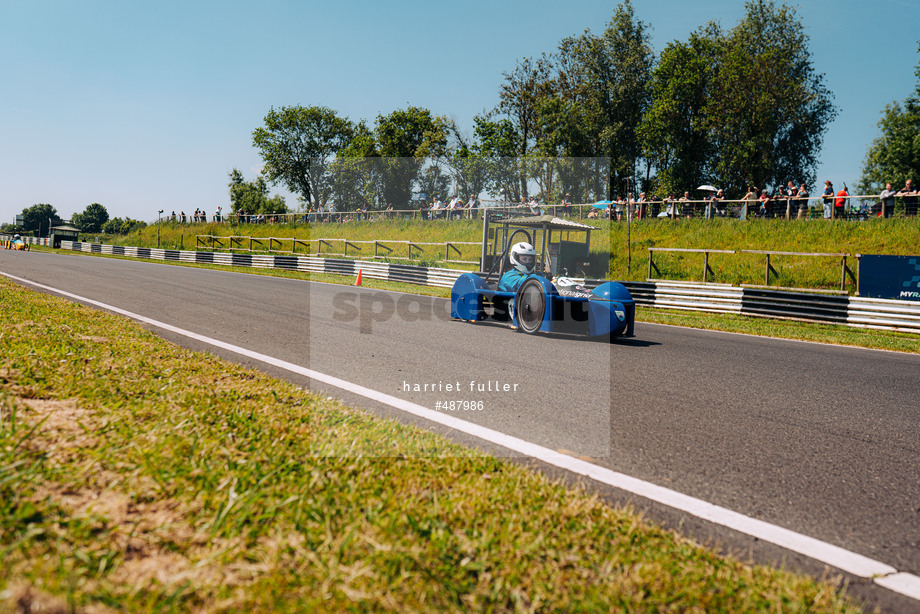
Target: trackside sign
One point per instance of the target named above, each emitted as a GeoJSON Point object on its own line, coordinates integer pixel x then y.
{"type": "Point", "coordinates": [895, 277]}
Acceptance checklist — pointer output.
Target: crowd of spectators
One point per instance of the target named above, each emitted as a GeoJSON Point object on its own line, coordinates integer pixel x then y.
{"type": "Point", "coordinates": [790, 201]}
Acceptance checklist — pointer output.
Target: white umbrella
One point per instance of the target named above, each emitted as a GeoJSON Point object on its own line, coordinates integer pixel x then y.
{"type": "Point", "coordinates": [708, 188]}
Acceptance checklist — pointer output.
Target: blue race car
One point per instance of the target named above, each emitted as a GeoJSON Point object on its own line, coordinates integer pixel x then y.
{"type": "Point", "coordinates": [540, 305]}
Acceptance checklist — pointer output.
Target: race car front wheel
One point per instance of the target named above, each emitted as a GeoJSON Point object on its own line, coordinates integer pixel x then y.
{"type": "Point", "coordinates": [530, 305]}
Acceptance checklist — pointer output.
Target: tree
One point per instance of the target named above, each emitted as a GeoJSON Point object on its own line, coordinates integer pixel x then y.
{"type": "Point", "coordinates": [738, 108]}
{"type": "Point", "coordinates": [609, 76]}
{"type": "Point", "coordinates": [519, 98]}
{"type": "Point", "coordinates": [118, 226]}
{"type": "Point", "coordinates": [674, 131]}
{"type": "Point", "coordinates": [92, 219]}
{"type": "Point", "coordinates": [769, 108]}
{"type": "Point", "coordinates": [469, 171]}
{"type": "Point", "coordinates": [895, 155]}
{"type": "Point", "coordinates": [297, 143]}
{"type": "Point", "coordinates": [38, 218]}
{"type": "Point", "coordinates": [405, 139]}
{"type": "Point", "coordinates": [251, 197]}
{"type": "Point", "coordinates": [497, 141]}
{"type": "Point", "coordinates": [383, 164]}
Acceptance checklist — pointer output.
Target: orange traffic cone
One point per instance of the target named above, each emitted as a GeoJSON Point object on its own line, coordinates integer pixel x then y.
{"type": "Point", "coordinates": [358, 281]}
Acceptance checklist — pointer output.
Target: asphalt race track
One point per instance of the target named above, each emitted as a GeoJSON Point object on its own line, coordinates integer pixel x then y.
{"type": "Point", "coordinates": [819, 439]}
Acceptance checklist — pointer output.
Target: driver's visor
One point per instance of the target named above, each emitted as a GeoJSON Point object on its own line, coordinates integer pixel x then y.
{"type": "Point", "coordinates": [526, 259]}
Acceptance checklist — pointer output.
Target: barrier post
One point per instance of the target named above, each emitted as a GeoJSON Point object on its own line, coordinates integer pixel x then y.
{"type": "Point", "coordinates": [846, 271]}
{"type": "Point", "coordinates": [843, 273]}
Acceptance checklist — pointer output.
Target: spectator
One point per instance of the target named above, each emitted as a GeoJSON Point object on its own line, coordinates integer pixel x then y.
{"type": "Point", "coordinates": [592, 214]}
{"type": "Point", "coordinates": [567, 204]}
{"type": "Point", "coordinates": [670, 207]}
{"type": "Point", "coordinates": [655, 205]}
{"type": "Point", "coordinates": [909, 195]}
{"type": "Point", "coordinates": [718, 201]}
{"type": "Point", "coordinates": [766, 205]}
{"type": "Point", "coordinates": [533, 205]}
{"type": "Point", "coordinates": [787, 192]}
{"type": "Point", "coordinates": [472, 205]}
{"type": "Point", "coordinates": [459, 206]}
{"type": "Point", "coordinates": [641, 206]}
{"type": "Point", "coordinates": [618, 208]}
{"type": "Point", "coordinates": [708, 207]}
{"type": "Point", "coordinates": [802, 196]}
{"type": "Point", "coordinates": [688, 208]}
{"type": "Point", "coordinates": [748, 202]}
{"type": "Point", "coordinates": [828, 199]}
{"type": "Point", "coordinates": [887, 201]}
{"type": "Point", "coordinates": [451, 207]}
{"type": "Point", "coordinates": [840, 203]}
{"type": "Point", "coordinates": [791, 193]}
{"type": "Point", "coordinates": [436, 208]}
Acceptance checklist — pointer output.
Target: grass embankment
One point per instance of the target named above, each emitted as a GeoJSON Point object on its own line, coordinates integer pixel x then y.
{"type": "Point", "coordinates": [893, 236]}
{"type": "Point", "coordinates": [139, 476]}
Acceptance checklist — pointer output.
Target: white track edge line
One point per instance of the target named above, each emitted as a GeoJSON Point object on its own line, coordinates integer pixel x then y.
{"type": "Point", "coordinates": [884, 575]}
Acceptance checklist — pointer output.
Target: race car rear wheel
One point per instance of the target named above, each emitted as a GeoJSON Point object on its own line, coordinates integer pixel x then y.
{"type": "Point", "coordinates": [530, 305]}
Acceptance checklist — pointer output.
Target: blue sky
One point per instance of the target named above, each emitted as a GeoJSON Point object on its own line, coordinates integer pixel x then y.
{"type": "Point", "coordinates": [147, 106]}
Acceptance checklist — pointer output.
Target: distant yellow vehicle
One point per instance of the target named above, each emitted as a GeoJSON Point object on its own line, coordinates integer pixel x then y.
{"type": "Point", "coordinates": [18, 244]}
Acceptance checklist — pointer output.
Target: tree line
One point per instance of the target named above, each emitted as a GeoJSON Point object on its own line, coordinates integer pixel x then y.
{"type": "Point", "coordinates": [599, 116]}
{"type": "Point", "coordinates": [894, 157]}
{"type": "Point", "coordinates": [39, 218]}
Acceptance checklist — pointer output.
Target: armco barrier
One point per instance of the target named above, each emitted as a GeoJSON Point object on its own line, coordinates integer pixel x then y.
{"type": "Point", "coordinates": [426, 276]}
{"type": "Point", "coordinates": [883, 313]}
{"type": "Point", "coordinates": [796, 305]}
{"type": "Point", "coordinates": [719, 298]}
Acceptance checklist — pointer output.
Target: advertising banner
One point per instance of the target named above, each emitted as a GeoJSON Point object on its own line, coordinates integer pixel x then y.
{"type": "Point", "coordinates": [890, 277]}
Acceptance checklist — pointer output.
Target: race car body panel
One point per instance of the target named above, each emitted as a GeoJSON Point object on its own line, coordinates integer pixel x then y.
{"type": "Point", "coordinates": [539, 306]}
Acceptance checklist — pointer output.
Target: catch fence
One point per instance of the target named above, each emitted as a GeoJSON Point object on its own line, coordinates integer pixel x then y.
{"type": "Point", "coordinates": [452, 251]}
{"type": "Point", "coordinates": [857, 207]}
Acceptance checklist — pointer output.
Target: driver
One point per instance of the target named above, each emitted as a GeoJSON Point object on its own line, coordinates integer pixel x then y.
{"type": "Point", "coordinates": [18, 243]}
{"type": "Point", "coordinates": [523, 257]}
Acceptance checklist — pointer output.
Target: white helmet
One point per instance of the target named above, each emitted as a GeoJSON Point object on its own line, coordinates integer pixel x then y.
{"type": "Point", "coordinates": [523, 257]}
{"type": "Point", "coordinates": [16, 237]}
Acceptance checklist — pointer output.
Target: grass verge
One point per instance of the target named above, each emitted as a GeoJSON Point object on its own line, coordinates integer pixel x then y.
{"type": "Point", "coordinates": [139, 476]}
{"type": "Point", "coordinates": [627, 246]}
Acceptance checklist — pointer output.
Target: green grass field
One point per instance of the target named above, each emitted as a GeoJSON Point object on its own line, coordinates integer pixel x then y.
{"type": "Point", "coordinates": [139, 476]}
